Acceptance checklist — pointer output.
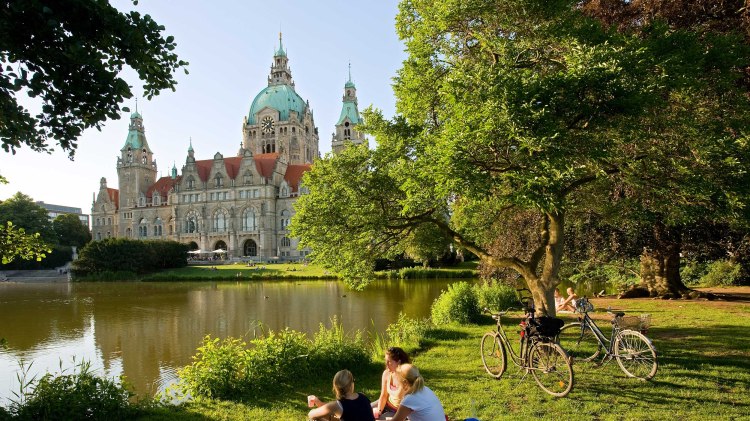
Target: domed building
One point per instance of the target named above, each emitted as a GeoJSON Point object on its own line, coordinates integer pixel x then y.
{"type": "Point", "coordinates": [240, 204]}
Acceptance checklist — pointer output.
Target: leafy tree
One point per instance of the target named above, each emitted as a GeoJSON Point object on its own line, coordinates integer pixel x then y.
{"type": "Point", "coordinates": [70, 230]}
{"type": "Point", "coordinates": [513, 107]}
{"type": "Point", "coordinates": [427, 242]}
{"type": "Point", "coordinates": [25, 213]}
{"type": "Point", "coordinates": [15, 243]}
{"type": "Point", "coordinates": [69, 55]}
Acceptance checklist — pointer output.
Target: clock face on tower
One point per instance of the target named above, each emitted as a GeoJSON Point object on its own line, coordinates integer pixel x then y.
{"type": "Point", "coordinates": [267, 124]}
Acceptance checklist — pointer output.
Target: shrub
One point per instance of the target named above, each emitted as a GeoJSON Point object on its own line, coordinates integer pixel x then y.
{"type": "Point", "coordinates": [124, 254]}
{"type": "Point", "coordinates": [722, 273]}
{"type": "Point", "coordinates": [458, 304]}
{"type": "Point", "coordinates": [280, 356]}
{"type": "Point", "coordinates": [333, 349]}
{"type": "Point", "coordinates": [80, 395]}
{"type": "Point", "coordinates": [496, 296]}
{"type": "Point", "coordinates": [230, 370]}
{"type": "Point", "coordinates": [692, 271]}
{"type": "Point", "coordinates": [219, 370]}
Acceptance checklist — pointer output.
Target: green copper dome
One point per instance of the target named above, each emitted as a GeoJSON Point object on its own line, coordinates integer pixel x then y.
{"type": "Point", "coordinates": [281, 98]}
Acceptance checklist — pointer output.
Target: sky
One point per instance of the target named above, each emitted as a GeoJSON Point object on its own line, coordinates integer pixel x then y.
{"type": "Point", "coordinates": [229, 45]}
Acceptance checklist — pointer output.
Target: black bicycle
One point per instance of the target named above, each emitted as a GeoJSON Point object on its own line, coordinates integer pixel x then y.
{"type": "Point", "coordinates": [633, 351]}
{"type": "Point", "coordinates": [537, 354]}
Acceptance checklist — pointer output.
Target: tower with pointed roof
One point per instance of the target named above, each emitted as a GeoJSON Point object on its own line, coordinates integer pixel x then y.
{"type": "Point", "coordinates": [346, 132]}
{"type": "Point", "coordinates": [280, 121]}
{"type": "Point", "coordinates": [136, 167]}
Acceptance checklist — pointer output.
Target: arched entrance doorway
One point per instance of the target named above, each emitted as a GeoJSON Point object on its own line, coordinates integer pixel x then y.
{"type": "Point", "coordinates": [220, 245]}
{"type": "Point", "coordinates": [250, 248]}
{"type": "Point", "coordinates": [193, 245]}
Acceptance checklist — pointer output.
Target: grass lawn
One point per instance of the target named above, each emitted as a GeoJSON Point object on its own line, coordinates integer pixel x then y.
{"type": "Point", "coordinates": [240, 271]}
{"type": "Point", "coordinates": [704, 374]}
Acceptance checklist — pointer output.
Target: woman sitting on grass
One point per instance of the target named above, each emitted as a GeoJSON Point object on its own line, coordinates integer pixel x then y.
{"type": "Point", "coordinates": [391, 391]}
{"type": "Point", "coordinates": [348, 406]}
{"type": "Point", "coordinates": [419, 403]}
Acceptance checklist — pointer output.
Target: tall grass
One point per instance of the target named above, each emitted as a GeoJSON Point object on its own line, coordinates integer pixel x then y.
{"type": "Point", "coordinates": [79, 394]}
{"type": "Point", "coordinates": [232, 369]}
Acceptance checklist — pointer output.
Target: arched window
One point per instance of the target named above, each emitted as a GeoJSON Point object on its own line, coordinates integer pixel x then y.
{"type": "Point", "coordinates": [284, 192]}
{"type": "Point", "coordinates": [156, 199]}
{"type": "Point", "coordinates": [158, 227]}
{"type": "Point", "coordinates": [128, 233]}
{"type": "Point", "coordinates": [249, 221]}
{"type": "Point", "coordinates": [285, 218]}
{"type": "Point", "coordinates": [109, 234]}
{"type": "Point", "coordinates": [98, 236]}
{"type": "Point", "coordinates": [109, 221]}
{"type": "Point", "coordinates": [247, 178]}
{"type": "Point", "coordinates": [218, 180]}
{"type": "Point", "coordinates": [286, 242]}
{"type": "Point", "coordinates": [143, 228]}
{"type": "Point", "coordinates": [190, 183]}
{"type": "Point", "coordinates": [220, 221]}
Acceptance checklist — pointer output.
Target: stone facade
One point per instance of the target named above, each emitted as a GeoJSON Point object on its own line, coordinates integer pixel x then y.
{"type": "Point", "coordinates": [241, 204]}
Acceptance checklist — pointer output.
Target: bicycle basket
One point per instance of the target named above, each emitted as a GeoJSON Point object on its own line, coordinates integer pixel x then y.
{"type": "Point", "coordinates": [638, 323]}
{"type": "Point", "coordinates": [545, 326]}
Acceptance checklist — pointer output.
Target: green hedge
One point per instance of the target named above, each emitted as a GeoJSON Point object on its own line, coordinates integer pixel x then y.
{"type": "Point", "coordinates": [121, 254]}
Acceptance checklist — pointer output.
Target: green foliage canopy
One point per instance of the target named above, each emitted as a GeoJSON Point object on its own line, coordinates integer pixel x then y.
{"type": "Point", "coordinates": [70, 230]}
{"type": "Point", "coordinates": [70, 55]}
{"type": "Point", "coordinates": [16, 243]}
{"type": "Point", "coordinates": [25, 213]}
{"type": "Point", "coordinates": [511, 106]}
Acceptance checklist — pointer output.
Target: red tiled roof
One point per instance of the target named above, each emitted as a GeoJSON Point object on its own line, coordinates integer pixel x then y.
{"type": "Point", "coordinates": [232, 166]}
{"type": "Point", "coordinates": [114, 196]}
{"type": "Point", "coordinates": [294, 174]}
{"type": "Point", "coordinates": [265, 162]}
{"type": "Point", "coordinates": [163, 186]}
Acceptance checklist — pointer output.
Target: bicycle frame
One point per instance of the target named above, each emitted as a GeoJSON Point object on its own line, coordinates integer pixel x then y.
{"type": "Point", "coordinates": [520, 358]}
{"type": "Point", "coordinates": [606, 343]}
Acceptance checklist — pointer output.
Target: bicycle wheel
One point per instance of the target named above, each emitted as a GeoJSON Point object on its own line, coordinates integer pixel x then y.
{"type": "Point", "coordinates": [635, 355]}
{"type": "Point", "coordinates": [580, 344]}
{"type": "Point", "coordinates": [493, 355]}
{"type": "Point", "coordinates": [551, 368]}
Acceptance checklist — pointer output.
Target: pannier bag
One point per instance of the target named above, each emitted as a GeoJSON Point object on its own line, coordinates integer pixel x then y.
{"type": "Point", "coordinates": [546, 326]}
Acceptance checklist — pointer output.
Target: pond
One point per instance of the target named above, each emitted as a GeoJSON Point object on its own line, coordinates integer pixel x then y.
{"type": "Point", "coordinates": [146, 331]}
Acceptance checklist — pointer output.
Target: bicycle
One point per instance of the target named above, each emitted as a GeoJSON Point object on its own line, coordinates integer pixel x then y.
{"type": "Point", "coordinates": [538, 353]}
{"type": "Point", "coordinates": [584, 341]}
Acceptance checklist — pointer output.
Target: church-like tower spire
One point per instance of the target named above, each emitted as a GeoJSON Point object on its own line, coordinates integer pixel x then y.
{"type": "Point", "coordinates": [281, 74]}
{"type": "Point", "coordinates": [349, 118]}
{"type": "Point", "coordinates": [136, 166]}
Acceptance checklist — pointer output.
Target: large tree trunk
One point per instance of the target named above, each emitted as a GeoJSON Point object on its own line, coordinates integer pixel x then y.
{"type": "Point", "coordinates": [660, 264]}
{"type": "Point", "coordinates": [548, 257]}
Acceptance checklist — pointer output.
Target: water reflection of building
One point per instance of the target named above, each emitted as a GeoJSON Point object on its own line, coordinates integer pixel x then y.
{"type": "Point", "coordinates": [241, 203]}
